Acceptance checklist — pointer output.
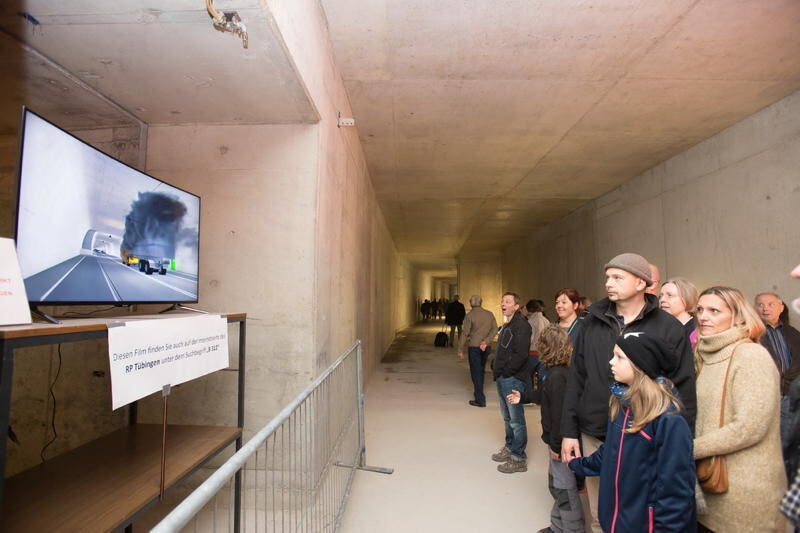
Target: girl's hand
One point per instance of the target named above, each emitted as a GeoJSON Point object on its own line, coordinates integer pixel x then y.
{"type": "Point", "coordinates": [514, 397]}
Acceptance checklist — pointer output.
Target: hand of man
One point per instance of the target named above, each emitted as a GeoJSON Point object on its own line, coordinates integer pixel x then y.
{"type": "Point", "coordinates": [461, 355]}
{"type": "Point", "coordinates": [483, 346]}
{"type": "Point", "coordinates": [514, 397]}
{"type": "Point", "coordinates": [554, 456]}
{"type": "Point", "coordinates": [570, 448]}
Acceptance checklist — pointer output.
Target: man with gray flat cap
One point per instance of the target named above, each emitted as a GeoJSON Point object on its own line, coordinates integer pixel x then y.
{"type": "Point", "coordinates": [627, 309]}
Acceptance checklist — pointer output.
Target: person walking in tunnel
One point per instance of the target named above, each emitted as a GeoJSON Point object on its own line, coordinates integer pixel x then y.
{"type": "Point", "coordinates": [627, 309]}
{"type": "Point", "coordinates": [510, 373]}
{"type": "Point", "coordinates": [480, 327]}
{"type": "Point", "coordinates": [454, 317]}
{"type": "Point", "coordinates": [425, 308]}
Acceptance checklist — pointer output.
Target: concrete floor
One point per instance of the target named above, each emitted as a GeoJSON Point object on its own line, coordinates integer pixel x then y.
{"type": "Point", "coordinates": [419, 423]}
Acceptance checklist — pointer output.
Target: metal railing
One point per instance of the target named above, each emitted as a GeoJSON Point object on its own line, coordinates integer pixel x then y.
{"type": "Point", "coordinates": [297, 471]}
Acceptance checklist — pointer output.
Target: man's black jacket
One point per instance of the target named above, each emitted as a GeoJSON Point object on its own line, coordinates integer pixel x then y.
{"type": "Point", "coordinates": [586, 400]}
{"type": "Point", "coordinates": [454, 316]}
{"type": "Point", "coordinates": [512, 349]}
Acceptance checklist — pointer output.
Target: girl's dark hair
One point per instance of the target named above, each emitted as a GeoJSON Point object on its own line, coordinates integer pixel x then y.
{"type": "Point", "coordinates": [573, 295]}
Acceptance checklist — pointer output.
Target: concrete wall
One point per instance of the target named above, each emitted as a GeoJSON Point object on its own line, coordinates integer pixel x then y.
{"type": "Point", "coordinates": [723, 212]}
{"type": "Point", "coordinates": [482, 274]}
{"type": "Point", "coordinates": [258, 189]}
{"type": "Point", "coordinates": [353, 295]}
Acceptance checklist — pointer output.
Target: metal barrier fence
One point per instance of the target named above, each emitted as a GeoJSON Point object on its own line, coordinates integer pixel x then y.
{"type": "Point", "coordinates": [296, 472]}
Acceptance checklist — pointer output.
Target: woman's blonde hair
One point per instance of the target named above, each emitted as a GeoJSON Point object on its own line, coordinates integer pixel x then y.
{"type": "Point", "coordinates": [687, 292]}
{"type": "Point", "coordinates": [554, 346]}
{"type": "Point", "coordinates": [648, 399]}
{"type": "Point", "coordinates": [744, 314]}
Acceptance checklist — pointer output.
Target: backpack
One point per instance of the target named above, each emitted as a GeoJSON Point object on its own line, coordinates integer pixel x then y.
{"type": "Point", "coordinates": [441, 340]}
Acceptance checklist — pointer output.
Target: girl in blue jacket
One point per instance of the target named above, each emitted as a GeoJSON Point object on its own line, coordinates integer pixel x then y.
{"type": "Point", "coordinates": [646, 469]}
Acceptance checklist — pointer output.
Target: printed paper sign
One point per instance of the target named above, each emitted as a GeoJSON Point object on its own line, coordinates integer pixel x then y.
{"type": "Point", "coordinates": [145, 355]}
{"type": "Point", "coordinates": [13, 300]}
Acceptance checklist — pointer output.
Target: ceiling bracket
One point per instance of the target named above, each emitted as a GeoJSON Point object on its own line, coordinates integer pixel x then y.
{"type": "Point", "coordinates": [229, 21]}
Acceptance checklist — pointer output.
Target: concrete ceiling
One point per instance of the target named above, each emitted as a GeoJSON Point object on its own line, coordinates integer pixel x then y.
{"type": "Point", "coordinates": [482, 120]}
{"type": "Point", "coordinates": [163, 62]}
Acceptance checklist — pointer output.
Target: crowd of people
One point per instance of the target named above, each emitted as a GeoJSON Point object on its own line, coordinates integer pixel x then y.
{"type": "Point", "coordinates": [672, 409]}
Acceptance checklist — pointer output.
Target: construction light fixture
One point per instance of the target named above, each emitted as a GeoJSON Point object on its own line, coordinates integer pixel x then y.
{"type": "Point", "coordinates": [344, 121]}
{"type": "Point", "coordinates": [229, 21]}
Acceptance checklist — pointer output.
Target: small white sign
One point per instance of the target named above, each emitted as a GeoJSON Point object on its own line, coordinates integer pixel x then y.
{"type": "Point", "coordinates": [145, 355]}
{"type": "Point", "coordinates": [13, 300]}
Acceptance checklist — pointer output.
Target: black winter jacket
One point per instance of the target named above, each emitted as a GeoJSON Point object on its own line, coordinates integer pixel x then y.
{"type": "Point", "coordinates": [454, 316]}
{"type": "Point", "coordinates": [513, 342]}
{"type": "Point", "coordinates": [586, 400]}
{"type": "Point", "coordinates": [553, 390]}
{"type": "Point", "coordinates": [647, 478]}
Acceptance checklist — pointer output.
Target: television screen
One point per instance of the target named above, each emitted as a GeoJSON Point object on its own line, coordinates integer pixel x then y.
{"type": "Point", "coordinates": [92, 230]}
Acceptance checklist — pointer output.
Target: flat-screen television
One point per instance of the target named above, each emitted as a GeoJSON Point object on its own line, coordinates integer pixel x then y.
{"type": "Point", "coordinates": [93, 230]}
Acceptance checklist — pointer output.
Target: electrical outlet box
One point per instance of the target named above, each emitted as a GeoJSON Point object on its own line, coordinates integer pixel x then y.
{"type": "Point", "coordinates": [345, 121]}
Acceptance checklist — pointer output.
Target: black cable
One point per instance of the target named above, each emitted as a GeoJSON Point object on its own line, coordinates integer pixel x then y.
{"type": "Point", "coordinates": [76, 313]}
{"type": "Point", "coordinates": [52, 395]}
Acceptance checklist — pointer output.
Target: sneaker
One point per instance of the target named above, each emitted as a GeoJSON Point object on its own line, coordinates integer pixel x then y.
{"type": "Point", "coordinates": [502, 456]}
{"type": "Point", "coordinates": [511, 466]}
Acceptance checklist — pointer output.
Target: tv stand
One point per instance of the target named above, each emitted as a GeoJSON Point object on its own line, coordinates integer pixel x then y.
{"type": "Point", "coordinates": [106, 484]}
{"type": "Point", "coordinates": [179, 307]}
{"type": "Point", "coordinates": [45, 316]}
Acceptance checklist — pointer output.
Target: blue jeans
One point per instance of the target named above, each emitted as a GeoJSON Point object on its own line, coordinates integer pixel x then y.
{"type": "Point", "coordinates": [513, 416]}
{"type": "Point", "coordinates": [477, 369]}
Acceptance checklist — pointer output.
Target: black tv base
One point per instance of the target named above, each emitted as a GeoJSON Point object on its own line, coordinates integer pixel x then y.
{"type": "Point", "coordinates": [179, 307]}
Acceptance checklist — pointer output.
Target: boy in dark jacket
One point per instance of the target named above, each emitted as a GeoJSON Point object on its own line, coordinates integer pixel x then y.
{"type": "Point", "coordinates": [555, 349]}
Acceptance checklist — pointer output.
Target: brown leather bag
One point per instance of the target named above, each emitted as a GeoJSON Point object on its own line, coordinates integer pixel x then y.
{"type": "Point", "coordinates": [712, 472]}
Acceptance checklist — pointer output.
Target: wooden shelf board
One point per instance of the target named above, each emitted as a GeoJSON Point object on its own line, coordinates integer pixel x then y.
{"type": "Point", "coordinates": [102, 484]}
{"type": "Point", "coordinates": [82, 325]}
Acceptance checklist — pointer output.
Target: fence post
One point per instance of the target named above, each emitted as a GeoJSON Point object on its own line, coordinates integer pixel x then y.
{"type": "Point", "coordinates": [362, 459]}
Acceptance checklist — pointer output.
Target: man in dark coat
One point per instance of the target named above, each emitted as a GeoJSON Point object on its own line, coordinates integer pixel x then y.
{"type": "Point", "coordinates": [454, 317]}
{"type": "Point", "coordinates": [510, 373]}
{"type": "Point", "coordinates": [628, 309]}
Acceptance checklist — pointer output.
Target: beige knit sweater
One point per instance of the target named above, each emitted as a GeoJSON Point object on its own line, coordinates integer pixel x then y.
{"type": "Point", "coordinates": [750, 438]}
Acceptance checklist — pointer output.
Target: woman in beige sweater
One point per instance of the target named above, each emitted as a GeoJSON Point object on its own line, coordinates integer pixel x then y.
{"type": "Point", "coordinates": [729, 329]}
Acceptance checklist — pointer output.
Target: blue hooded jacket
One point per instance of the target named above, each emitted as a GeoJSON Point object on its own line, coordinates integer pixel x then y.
{"type": "Point", "coordinates": [647, 478]}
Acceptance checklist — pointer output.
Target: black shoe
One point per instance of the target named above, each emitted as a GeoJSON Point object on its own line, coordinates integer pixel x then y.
{"type": "Point", "coordinates": [473, 403]}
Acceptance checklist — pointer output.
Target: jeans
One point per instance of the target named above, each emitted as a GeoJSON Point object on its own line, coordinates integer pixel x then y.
{"type": "Point", "coordinates": [513, 416]}
{"type": "Point", "coordinates": [452, 332]}
{"type": "Point", "coordinates": [477, 369]}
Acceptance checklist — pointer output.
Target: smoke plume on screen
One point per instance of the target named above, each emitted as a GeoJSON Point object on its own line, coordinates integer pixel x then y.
{"type": "Point", "coordinates": [152, 226]}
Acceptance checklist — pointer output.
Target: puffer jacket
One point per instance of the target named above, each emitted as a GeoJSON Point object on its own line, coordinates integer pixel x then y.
{"type": "Point", "coordinates": [586, 400]}
{"type": "Point", "coordinates": [647, 478]}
